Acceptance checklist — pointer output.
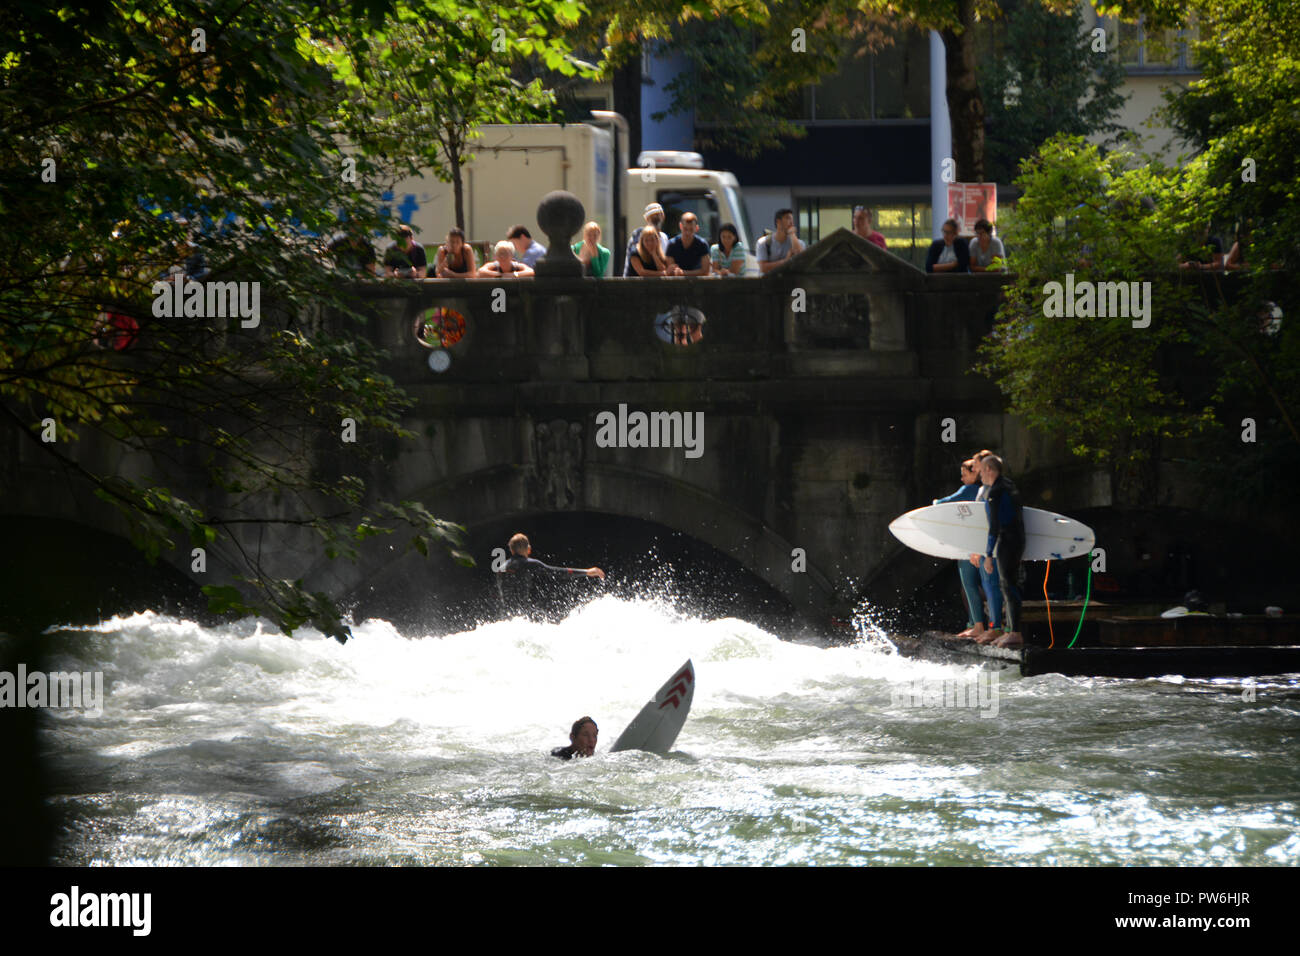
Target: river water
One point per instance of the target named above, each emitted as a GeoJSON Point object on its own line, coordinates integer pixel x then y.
{"type": "Point", "coordinates": [235, 745]}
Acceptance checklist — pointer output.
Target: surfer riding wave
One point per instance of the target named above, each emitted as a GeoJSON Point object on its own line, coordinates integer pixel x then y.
{"type": "Point", "coordinates": [514, 581]}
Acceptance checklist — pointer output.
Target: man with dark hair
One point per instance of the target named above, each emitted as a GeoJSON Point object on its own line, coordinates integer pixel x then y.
{"type": "Point", "coordinates": [353, 252]}
{"type": "Point", "coordinates": [985, 248]}
{"type": "Point", "coordinates": [688, 250]}
{"type": "Point", "coordinates": [1007, 537]}
{"type": "Point", "coordinates": [582, 740]}
{"type": "Point", "coordinates": [527, 249]}
{"type": "Point", "coordinates": [514, 581]}
{"type": "Point", "coordinates": [777, 248]}
{"type": "Point", "coordinates": [406, 257]}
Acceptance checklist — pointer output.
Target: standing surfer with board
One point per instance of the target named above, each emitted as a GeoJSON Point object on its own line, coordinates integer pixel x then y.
{"type": "Point", "coordinates": [514, 581]}
{"type": "Point", "coordinates": [1006, 538]}
{"type": "Point", "coordinates": [967, 572]}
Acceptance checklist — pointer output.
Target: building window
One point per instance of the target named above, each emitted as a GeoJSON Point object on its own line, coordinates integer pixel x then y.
{"type": "Point", "coordinates": [893, 84]}
{"type": "Point", "coordinates": [906, 225]}
{"type": "Point", "coordinates": [1155, 51]}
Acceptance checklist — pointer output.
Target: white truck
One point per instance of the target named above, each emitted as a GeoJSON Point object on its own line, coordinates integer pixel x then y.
{"type": "Point", "coordinates": [514, 166]}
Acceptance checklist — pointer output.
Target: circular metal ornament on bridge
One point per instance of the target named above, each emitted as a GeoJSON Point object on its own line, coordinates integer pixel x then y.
{"type": "Point", "coordinates": [440, 328]}
{"type": "Point", "coordinates": [440, 360]}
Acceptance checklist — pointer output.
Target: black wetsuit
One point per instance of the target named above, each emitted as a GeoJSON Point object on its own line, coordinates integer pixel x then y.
{"type": "Point", "coordinates": [565, 753]}
{"type": "Point", "coordinates": [515, 580]}
{"type": "Point", "coordinates": [1007, 536]}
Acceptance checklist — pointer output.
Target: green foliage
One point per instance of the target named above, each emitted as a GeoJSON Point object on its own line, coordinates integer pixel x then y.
{"type": "Point", "coordinates": [241, 144]}
{"type": "Point", "coordinates": [1104, 385]}
{"type": "Point", "coordinates": [1093, 380]}
{"type": "Point", "coordinates": [1044, 79]}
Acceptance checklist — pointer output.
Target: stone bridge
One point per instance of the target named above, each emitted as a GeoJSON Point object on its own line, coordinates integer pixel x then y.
{"type": "Point", "coordinates": [822, 388]}
{"type": "Point", "coordinates": [824, 391]}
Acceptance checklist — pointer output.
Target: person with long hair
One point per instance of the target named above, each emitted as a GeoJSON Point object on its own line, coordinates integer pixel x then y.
{"type": "Point", "coordinates": [728, 253]}
{"type": "Point", "coordinates": [648, 259]}
{"type": "Point", "coordinates": [455, 259]}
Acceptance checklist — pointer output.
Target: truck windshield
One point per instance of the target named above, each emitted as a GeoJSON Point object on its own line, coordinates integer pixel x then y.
{"type": "Point", "coordinates": [742, 217]}
{"type": "Point", "coordinates": [677, 203]}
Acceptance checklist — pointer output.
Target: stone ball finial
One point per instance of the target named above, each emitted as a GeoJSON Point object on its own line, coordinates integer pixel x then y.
{"type": "Point", "coordinates": [560, 215]}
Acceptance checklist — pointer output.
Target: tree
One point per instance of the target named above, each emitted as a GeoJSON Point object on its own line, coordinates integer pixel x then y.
{"type": "Point", "coordinates": [755, 77]}
{"type": "Point", "coordinates": [442, 92]}
{"type": "Point", "coordinates": [228, 123]}
{"type": "Point", "coordinates": [1044, 78]}
{"type": "Point", "coordinates": [1117, 385]}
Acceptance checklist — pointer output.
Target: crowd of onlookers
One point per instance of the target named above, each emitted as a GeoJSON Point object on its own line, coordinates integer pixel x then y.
{"type": "Point", "coordinates": [650, 251]}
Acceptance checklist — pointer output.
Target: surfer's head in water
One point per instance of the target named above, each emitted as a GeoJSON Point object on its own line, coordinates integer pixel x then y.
{"type": "Point", "coordinates": [582, 740]}
{"type": "Point", "coordinates": [519, 545]}
{"type": "Point", "coordinates": [583, 736]}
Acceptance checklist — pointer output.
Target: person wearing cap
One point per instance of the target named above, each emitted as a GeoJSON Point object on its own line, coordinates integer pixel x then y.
{"type": "Point", "coordinates": [654, 213]}
{"type": "Point", "coordinates": [863, 226]}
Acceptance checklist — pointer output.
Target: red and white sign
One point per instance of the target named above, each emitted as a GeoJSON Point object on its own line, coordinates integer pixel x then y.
{"type": "Point", "coordinates": [968, 202]}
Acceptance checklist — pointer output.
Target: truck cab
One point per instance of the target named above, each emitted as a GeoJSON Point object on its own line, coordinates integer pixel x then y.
{"type": "Point", "coordinates": [679, 182]}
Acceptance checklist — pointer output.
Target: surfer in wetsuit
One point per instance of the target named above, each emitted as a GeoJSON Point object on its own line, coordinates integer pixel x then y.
{"type": "Point", "coordinates": [514, 581]}
{"type": "Point", "coordinates": [1007, 537]}
{"type": "Point", "coordinates": [582, 740]}
{"type": "Point", "coordinates": [967, 572]}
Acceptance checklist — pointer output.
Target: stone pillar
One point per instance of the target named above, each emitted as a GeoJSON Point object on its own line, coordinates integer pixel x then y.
{"type": "Point", "coordinates": [560, 215]}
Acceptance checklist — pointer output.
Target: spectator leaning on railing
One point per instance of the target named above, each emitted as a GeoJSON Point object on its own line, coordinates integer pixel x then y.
{"type": "Point", "coordinates": [455, 260]}
{"type": "Point", "coordinates": [985, 248]}
{"type": "Point", "coordinates": [405, 257]}
{"type": "Point", "coordinates": [648, 260]}
{"type": "Point", "coordinates": [527, 249]}
{"type": "Point", "coordinates": [863, 226]}
{"type": "Point", "coordinates": [777, 248]}
{"type": "Point", "coordinates": [728, 254]}
{"type": "Point", "coordinates": [504, 265]}
{"type": "Point", "coordinates": [688, 251]}
{"type": "Point", "coordinates": [654, 215]}
{"type": "Point", "coordinates": [949, 254]}
{"type": "Point", "coordinates": [593, 256]}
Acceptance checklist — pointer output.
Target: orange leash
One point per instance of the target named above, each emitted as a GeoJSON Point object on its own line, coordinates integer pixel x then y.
{"type": "Point", "coordinates": [1049, 605]}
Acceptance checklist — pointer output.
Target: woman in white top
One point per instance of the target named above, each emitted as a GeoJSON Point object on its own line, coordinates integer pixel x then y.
{"type": "Point", "coordinates": [504, 265]}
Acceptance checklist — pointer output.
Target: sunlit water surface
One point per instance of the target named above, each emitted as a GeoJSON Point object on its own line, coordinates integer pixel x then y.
{"type": "Point", "coordinates": [235, 745]}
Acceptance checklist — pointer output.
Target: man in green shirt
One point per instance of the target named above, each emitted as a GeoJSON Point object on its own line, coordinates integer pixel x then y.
{"type": "Point", "coordinates": [594, 256]}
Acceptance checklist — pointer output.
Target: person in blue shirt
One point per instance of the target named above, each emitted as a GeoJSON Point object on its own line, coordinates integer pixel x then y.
{"type": "Point", "coordinates": [968, 573]}
{"type": "Point", "coordinates": [527, 249]}
{"type": "Point", "coordinates": [1007, 540]}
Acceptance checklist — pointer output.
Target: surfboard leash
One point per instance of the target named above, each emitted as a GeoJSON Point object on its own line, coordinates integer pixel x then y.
{"type": "Point", "coordinates": [1049, 605]}
{"type": "Point", "coordinates": [1086, 596]}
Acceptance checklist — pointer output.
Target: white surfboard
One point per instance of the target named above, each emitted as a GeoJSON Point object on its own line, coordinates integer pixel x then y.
{"type": "Point", "coordinates": [660, 721]}
{"type": "Point", "coordinates": [958, 529]}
